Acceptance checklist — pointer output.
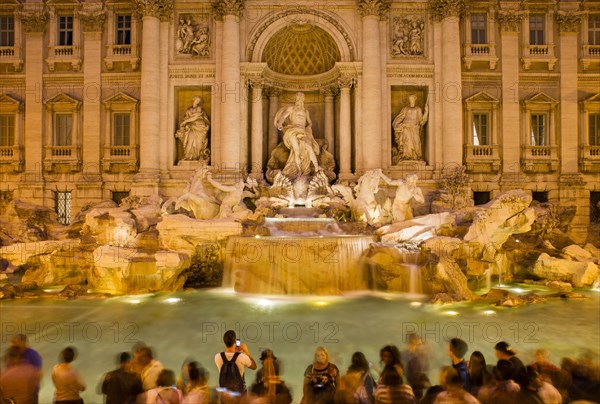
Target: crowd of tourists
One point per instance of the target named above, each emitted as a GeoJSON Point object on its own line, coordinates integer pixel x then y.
{"type": "Point", "coordinates": [400, 377]}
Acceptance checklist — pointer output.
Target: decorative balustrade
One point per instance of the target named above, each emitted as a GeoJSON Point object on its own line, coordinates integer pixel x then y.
{"type": "Point", "coordinates": [540, 158]}
{"type": "Point", "coordinates": [120, 159]}
{"type": "Point", "coordinates": [11, 54]}
{"type": "Point", "coordinates": [538, 53]}
{"type": "Point", "coordinates": [590, 55]}
{"type": "Point", "coordinates": [480, 53]}
{"type": "Point", "coordinates": [121, 53]}
{"type": "Point", "coordinates": [64, 54]}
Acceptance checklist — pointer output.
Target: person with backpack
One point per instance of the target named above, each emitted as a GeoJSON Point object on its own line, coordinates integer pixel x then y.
{"type": "Point", "coordinates": [231, 364]}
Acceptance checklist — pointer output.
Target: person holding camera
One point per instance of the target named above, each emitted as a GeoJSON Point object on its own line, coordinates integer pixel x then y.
{"type": "Point", "coordinates": [320, 379]}
{"type": "Point", "coordinates": [231, 364]}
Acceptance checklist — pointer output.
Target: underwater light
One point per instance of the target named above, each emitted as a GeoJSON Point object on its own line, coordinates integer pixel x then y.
{"type": "Point", "coordinates": [451, 313]}
{"type": "Point", "coordinates": [489, 312]}
{"type": "Point", "coordinates": [416, 304]}
{"type": "Point", "coordinates": [173, 300]}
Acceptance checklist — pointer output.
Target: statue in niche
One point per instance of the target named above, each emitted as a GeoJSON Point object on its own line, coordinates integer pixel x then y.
{"type": "Point", "coordinates": [191, 39]}
{"type": "Point", "coordinates": [408, 37]}
{"type": "Point", "coordinates": [193, 132]}
{"type": "Point", "coordinates": [294, 121]}
{"type": "Point", "coordinates": [408, 126]}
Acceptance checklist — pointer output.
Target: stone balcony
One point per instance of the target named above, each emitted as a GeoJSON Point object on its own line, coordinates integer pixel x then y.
{"type": "Point", "coordinates": [12, 55]}
{"type": "Point", "coordinates": [589, 160]}
{"type": "Point", "coordinates": [482, 159]}
{"type": "Point", "coordinates": [120, 159]}
{"type": "Point", "coordinates": [539, 54]}
{"type": "Point", "coordinates": [121, 53]}
{"type": "Point", "coordinates": [590, 56]}
{"type": "Point", "coordinates": [62, 159]}
{"type": "Point", "coordinates": [64, 54]}
{"type": "Point", "coordinates": [485, 53]}
{"type": "Point", "coordinates": [540, 159]}
{"type": "Point", "coordinates": [11, 159]}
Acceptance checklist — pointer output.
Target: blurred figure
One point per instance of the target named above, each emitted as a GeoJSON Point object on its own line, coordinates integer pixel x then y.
{"type": "Point", "coordinates": [359, 372]}
{"type": "Point", "coordinates": [390, 355]}
{"type": "Point", "coordinates": [434, 391]}
{"type": "Point", "coordinates": [320, 379]}
{"type": "Point", "coordinates": [28, 354]}
{"type": "Point", "coordinates": [146, 367]}
{"type": "Point", "coordinates": [20, 380]}
{"type": "Point", "coordinates": [67, 381]}
{"type": "Point", "coordinates": [416, 364]}
{"type": "Point", "coordinates": [454, 391]}
{"type": "Point", "coordinates": [268, 387]}
{"type": "Point", "coordinates": [478, 374]}
{"type": "Point", "coordinates": [196, 390]}
{"type": "Point", "coordinates": [121, 386]}
{"type": "Point", "coordinates": [457, 349]}
{"type": "Point", "coordinates": [584, 386]}
{"type": "Point", "coordinates": [537, 391]}
{"type": "Point", "coordinates": [504, 390]}
{"type": "Point", "coordinates": [542, 363]}
{"type": "Point", "coordinates": [506, 352]}
{"type": "Point", "coordinates": [165, 392]}
{"type": "Point", "coordinates": [391, 390]}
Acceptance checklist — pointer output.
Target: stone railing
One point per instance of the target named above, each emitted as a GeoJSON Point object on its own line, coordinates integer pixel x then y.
{"type": "Point", "coordinates": [480, 159]}
{"type": "Point", "coordinates": [480, 53]}
{"type": "Point", "coordinates": [64, 54]}
{"type": "Point", "coordinates": [590, 158]}
{"type": "Point", "coordinates": [11, 54]}
{"type": "Point", "coordinates": [540, 158]}
{"type": "Point", "coordinates": [538, 53]}
{"type": "Point", "coordinates": [590, 55]}
{"type": "Point", "coordinates": [69, 156]}
{"type": "Point", "coordinates": [120, 159]}
{"type": "Point", "coordinates": [12, 157]}
{"type": "Point", "coordinates": [121, 53]}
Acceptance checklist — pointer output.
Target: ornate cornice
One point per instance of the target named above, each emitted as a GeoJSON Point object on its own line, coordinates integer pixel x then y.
{"type": "Point", "coordinates": [34, 21]}
{"type": "Point", "coordinates": [377, 8]}
{"type": "Point", "coordinates": [510, 21]}
{"type": "Point", "coordinates": [346, 81]}
{"type": "Point", "coordinates": [154, 8]}
{"type": "Point", "coordinates": [441, 9]}
{"type": "Point", "coordinates": [92, 17]}
{"type": "Point", "coordinates": [228, 7]}
{"type": "Point", "coordinates": [329, 91]}
{"type": "Point", "coordinates": [569, 21]}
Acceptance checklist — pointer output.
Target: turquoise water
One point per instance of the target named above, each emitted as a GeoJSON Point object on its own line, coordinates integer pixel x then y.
{"type": "Point", "coordinates": [190, 325]}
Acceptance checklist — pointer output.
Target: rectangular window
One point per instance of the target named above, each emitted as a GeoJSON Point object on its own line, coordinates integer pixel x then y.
{"type": "Point", "coordinates": [62, 205]}
{"type": "Point", "coordinates": [594, 29]}
{"type": "Point", "coordinates": [123, 34]}
{"type": "Point", "coordinates": [481, 198]}
{"type": "Point", "coordinates": [65, 30]}
{"type": "Point", "coordinates": [539, 129]}
{"type": "Point", "coordinates": [594, 129]}
{"type": "Point", "coordinates": [481, 130]}
{"type": "Point", "coordinates": [121, 130]}
{"type": "Point", "coordinates": [7, 31]}
{"type": "Point", "coordinates": [478, 28]}
{"type": "Point", "coordinates": [63, 129]}
{"type": "Point", "coordinates": [7, 130]}
{"type": "Point", "coordinates": [536, 29]}
{"type": "Point", "coordinates": [541, 197]}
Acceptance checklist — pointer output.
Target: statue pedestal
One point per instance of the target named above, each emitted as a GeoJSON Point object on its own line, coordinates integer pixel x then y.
{"type": "Point", "coordinates": [406, 167]}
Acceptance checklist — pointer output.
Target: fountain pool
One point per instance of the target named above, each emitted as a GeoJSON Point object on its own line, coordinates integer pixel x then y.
{"type": "Point", "coordinates": [190, 324]}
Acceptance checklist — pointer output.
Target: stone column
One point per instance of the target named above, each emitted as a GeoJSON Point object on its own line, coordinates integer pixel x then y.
{"type": "Point", "coordinates": [448, 12]}
{"type": "Point", "coordinates": [231, 91]}
{"type": "Point", "coordinates": [345, 84]}
{"type": "Point", "coordinates": [257, 128]}
{"type": "Point", "coordinates": [92, 19]}
{"type": "Point", "coordinates": [34, 23]}
{"type": "Point", "coordinates": [572, 190]}
{"type": "Point", "coordinates": [372, 11]}
{"type": "Point", "coordinates": [273, 94]}
{"type": "Point", "coordinates": [510, 21]}
{"type": "Point", "coordinates": [329, 93]}
{"type": "Point", "coordinates": [151, 11]}
{"type": "Point", "coordinates": [569, 23]}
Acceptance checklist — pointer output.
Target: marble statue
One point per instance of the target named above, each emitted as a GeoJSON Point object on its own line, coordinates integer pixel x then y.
{"type": "Point", "coordinates": [294, 121]}
{"type": "Point", "coordinates": [197, 198]}
{"type": "Point", "coordinates": [408, 126]}
{"type": "Point", "coordinates": [199, 45]}
{"type": "Point", "coordinates": [406, 192]}
{"type": "Point", "coordinates": [362, 202]}
{"type": "Point", "coordinates": [231, 197]}
{"type": "Point", "coordinates": [326, 160]}
{"type": "Point", "coordinates": [193, 132]}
